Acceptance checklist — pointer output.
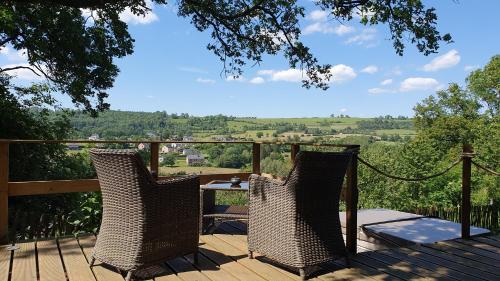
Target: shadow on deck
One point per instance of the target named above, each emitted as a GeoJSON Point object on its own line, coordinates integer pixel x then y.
{"type": "Point", "coordinates": [224, 257]}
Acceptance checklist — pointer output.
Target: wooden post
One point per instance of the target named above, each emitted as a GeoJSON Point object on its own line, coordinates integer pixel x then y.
{"type": "Point", "coordinates": [352, 204]}
{"type": "Point", "coordinates": [256, 158]}
{"type": "Point", "coordinates": [155, 150]}
{"type": "Point", "coordinates": [295, 150]}
{"type": "Point", "coordinates": [4, 192]}
{"type": "Point", "coordinates": [466, 175]}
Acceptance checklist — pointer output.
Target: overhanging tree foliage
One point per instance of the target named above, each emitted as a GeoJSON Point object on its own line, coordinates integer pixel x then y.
{"type": "Point", "coordinates": [74, 52]}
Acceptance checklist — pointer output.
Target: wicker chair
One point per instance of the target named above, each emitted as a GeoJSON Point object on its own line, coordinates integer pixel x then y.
{"type": "Point", "coordinates": [296, 222]}
{"type": "Point", "coordinates": [144, 222]}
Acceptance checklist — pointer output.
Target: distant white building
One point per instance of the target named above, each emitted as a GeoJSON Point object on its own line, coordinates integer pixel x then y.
{"type": "Point", "coordinates": [187, 138]}
{"type": "Point", "coordinates": [141, 146]}
{"type": "Point", "coordinates": [94, 137]}
{"type": "Point", "coordinates": [195, 160]}
{"type": "Point", "coordinates": [190, 151]}
{"type": "Point", "coordinates": [168, 149]}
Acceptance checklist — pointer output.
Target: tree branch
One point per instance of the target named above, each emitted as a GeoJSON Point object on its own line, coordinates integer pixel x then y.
{"type": "Point", "coordinates": [18, 67]}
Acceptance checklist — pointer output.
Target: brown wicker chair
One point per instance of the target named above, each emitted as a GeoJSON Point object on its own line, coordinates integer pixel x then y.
{"type": "Point", "coordinates": [144, 222]}
{"type": "Point", "coordinates": [296, 222]}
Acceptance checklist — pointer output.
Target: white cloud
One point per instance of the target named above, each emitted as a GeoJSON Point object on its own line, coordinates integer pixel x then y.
{"type": "Point", "coordinates": [129, 17]}
{"type": "Point", "coordinates": [205, 80]}
{"type": "Point", "coordinates": [236, 78]}
{"type": "Point", "coordinates": [370, 69]}
{"type": "Point", "coordinates": [341, 73]}
{"type": "Point", "coordinates": [471, 67]}
{"type": "Point", "coordinates": [265, 72]}
{"type": "Point", "coordinates": [14, 55]}
{"type": "Point", "coordinates": [447, 60]}
{"type": "Point", "coordinates": [386, 82]}
{"type": "Point", "coordinates": [379, 91]}
{"type": "Point", "coordinates": [289, 75]}
{"type": "Point", "coordinates": [418, 83]}
{"type": "Point", "coordinates": [257, 80]}
{"type": "Point", "coordinates": [343, 110]}
{"type": "Point", "coordinates": [22, 73]}
{"type": "Point", "coordinates": [325, 28]}
{"type": "Point", "coordinates": [318, 15]}
{"type": "Point", "coordinates": [366, 37]}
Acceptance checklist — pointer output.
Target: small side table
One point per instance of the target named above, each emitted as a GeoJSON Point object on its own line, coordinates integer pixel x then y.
{"type": "Point", "coordinates": [211, 212]}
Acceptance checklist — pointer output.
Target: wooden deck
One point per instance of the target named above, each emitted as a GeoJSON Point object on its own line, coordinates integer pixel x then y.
{"type": "Point", "coordinates": [224, 257]}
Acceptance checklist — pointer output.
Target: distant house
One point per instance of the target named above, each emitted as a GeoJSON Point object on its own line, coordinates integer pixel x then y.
{"type": "Point", "coordinates": [187, 138]}
{"type": "Point", "coordinates": [195, 160]}
{"type": "Point", "coordinates": [168, 149]}
{"type": "Point", "coordinates": [141, 146]}
{"type": "Point", "coordinates": [189, 151]}
{"type": "Point", "coordinates": [74, 146]}
{"type": "Point", "coordinates": [94, 137]}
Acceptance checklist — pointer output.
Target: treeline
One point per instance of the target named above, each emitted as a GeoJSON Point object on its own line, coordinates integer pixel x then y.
{"type": "Point", "coordinates": [385, 122]}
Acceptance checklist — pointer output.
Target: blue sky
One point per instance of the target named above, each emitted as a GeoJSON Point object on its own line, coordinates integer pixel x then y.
{"type": "Point", "coordinates": [171, 69]}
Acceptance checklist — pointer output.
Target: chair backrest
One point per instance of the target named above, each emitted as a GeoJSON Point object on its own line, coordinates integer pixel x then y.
{"type": "Point", "coordinates": [319, 170]}
{"type": "Point", "coordinates": [317, 179]}
{"type": "Point", "coordinates": [122, 175]}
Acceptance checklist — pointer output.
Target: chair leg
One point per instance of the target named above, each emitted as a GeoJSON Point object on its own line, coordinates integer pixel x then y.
{"type": "Point", "coordinates": [92, 260]}
{"type": "Point", "coordinates": [195, 258]}
{"type": "Point", "coordinates": [302, 273]}
{"type": "Point", "coordinates": [250, 254]}
{"type": "Point", "coordinates": [129, 276]}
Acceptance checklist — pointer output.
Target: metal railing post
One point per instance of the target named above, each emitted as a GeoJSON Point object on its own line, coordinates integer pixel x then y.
{"type": "Point", "coordinates": [4, 192]}
{"type": "Point", "coordinates": [352, 204]}
{"type": "Point", "coordinates": [467, 154]}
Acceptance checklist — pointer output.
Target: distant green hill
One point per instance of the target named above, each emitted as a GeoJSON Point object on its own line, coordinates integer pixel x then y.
{"type": "Point", "coordinates": [137, 125]}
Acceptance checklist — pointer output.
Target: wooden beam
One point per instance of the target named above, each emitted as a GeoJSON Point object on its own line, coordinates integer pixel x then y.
{"type": "Point", "coordinates": [89, 185]}
{"type": "Point", "coordinates": [4, 192]}
{"type": "Point", "coordinates": [155, 158]}
{"type": "Point", "coordinates": [352, 204]}
{"type": "Point", "coordinates": [256, 158]}
{"type": "Point", "coordinates": [466, 176]}
{"type": "Point", "coordinates": [51, 187]}
{"type": "Point", "coordinates": [295, 149]}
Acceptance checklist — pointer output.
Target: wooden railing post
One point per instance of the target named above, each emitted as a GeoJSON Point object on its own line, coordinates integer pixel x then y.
{"type": "Point", "coordinates": [154, 164]}
{"type": "Point", "coordinates": [4, 192]}
{"type": "Point", "coordinates": [295, 150]}
{"type": "Point", "coordinates": [256, 158]}
{"type": "Point", "coordinates": [352, 204]}
{"type": "Point", "coordinates": [467, 153]}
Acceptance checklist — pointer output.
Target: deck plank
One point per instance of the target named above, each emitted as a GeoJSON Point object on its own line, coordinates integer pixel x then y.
{"type": "Point", "coordinates": [422, 267]}
{"type": "Point", "coordinates": [50, 265]}
{"type": "Point", "coordinates": [227, 262]}
{"type": "Point", "coordinates": [4, 262]}
{"type": "Point", "coordinates": [210, 268]}
{"type": "Point", "coordinates": [487, 240]}
{"type": "Point", "coordinates": [264, 270]}
{"type": "Point", "coordinates": [463, 253]}
{"type": "Point", "coordinates": [482, 247]}
{"type": "Point", "coordinates": [168, 275]}
{"type": "Point", "coordinates": [457, 270]}
{"type": "Point", "coordinates": [101, 271]}
{"type": "Point", "coordinates": [24, 263]}
{"type": "Point", "coordinates": [401, 270]}
{"type": "Point", "coordinates": [186, 271]}
{"type": "Point", "coordinates": [482, 269]}
{"type": "Point", "coordinates": [76, 265]}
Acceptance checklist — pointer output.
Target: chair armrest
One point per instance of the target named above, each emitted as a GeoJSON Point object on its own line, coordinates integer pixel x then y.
{"type": "Point", "coordinates": [176, 180]}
